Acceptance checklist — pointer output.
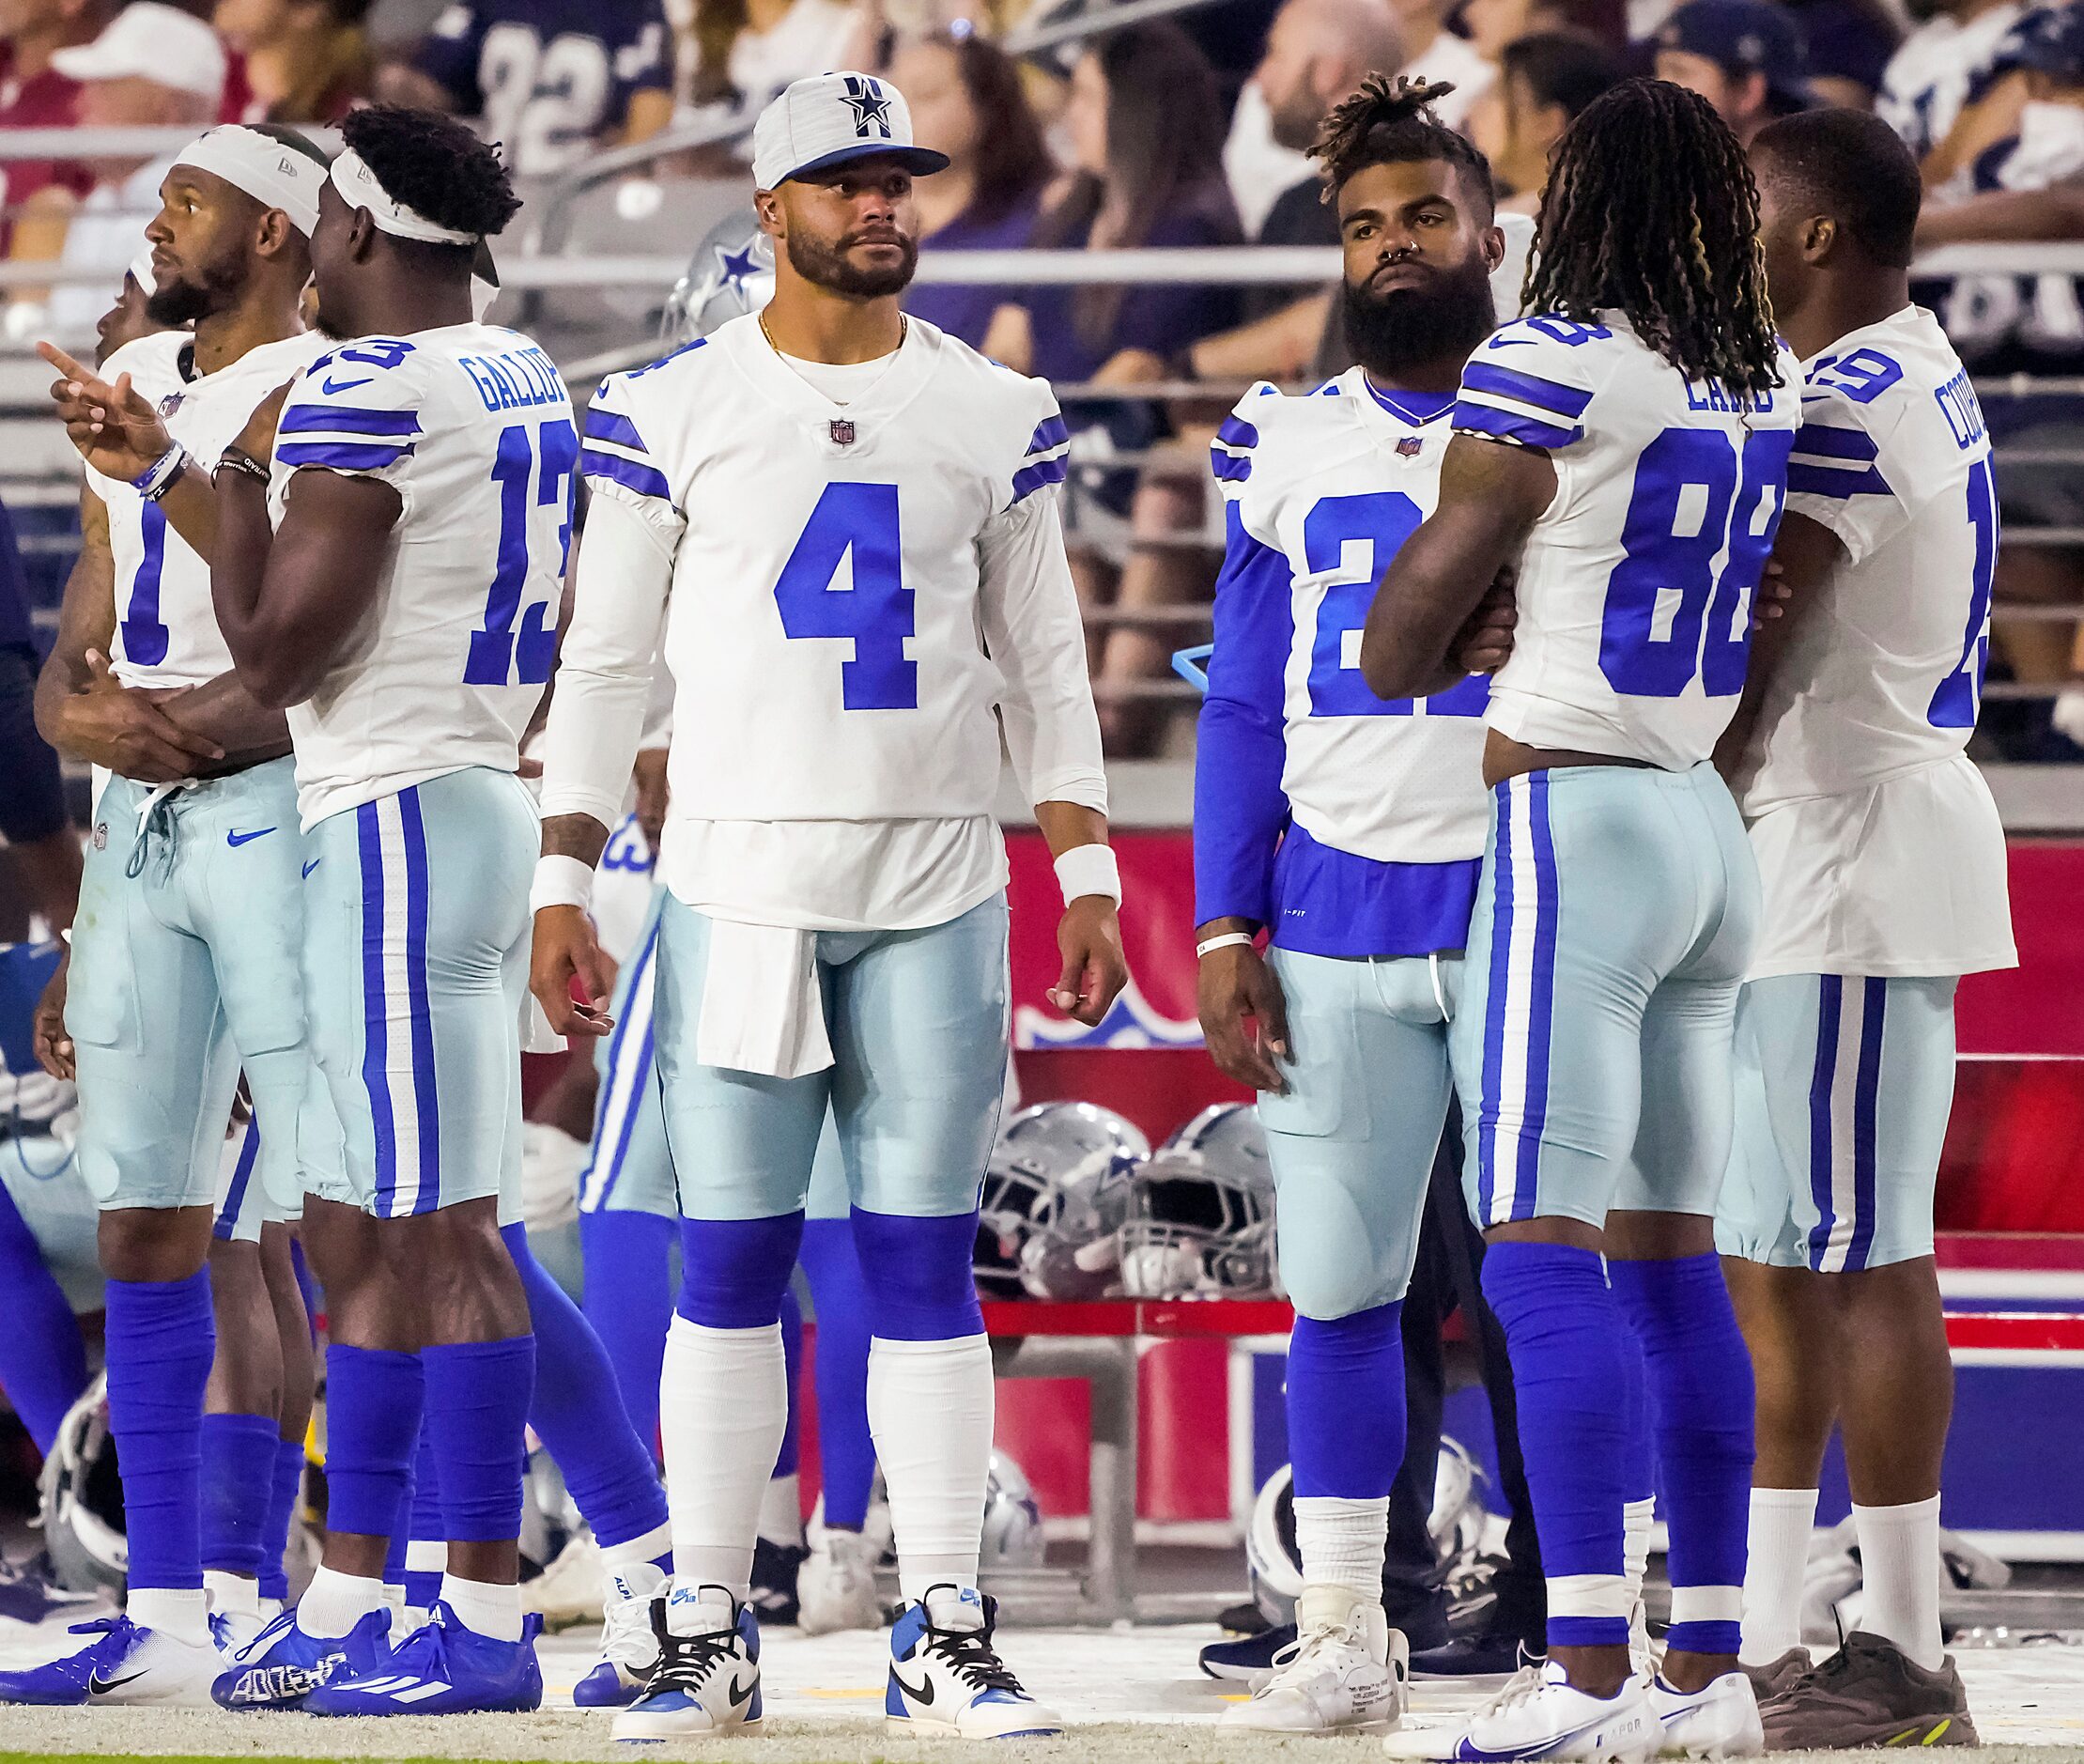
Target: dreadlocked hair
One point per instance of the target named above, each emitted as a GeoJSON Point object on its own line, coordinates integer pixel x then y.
{"type": "Point", "coordinates": [1650, 207]}
{"type": "Point", "coordinates": [1391, 122]}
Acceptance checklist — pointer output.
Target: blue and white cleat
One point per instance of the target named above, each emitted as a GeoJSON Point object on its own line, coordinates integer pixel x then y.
{"type": "Point", "coordinates": [130, 1667]}
{"type": "Point", "coordinates": [629, 1650]}
{"type": "Point", "coordinates": [1540, 1714]}
{"type": "Point", "coordinates": [282, 1665]}
{"type": "Point", "coordinates": [707, 1679]}
{"type": "Point", "coordinates": [442, 1668]}
{"type": "Point", "coordinates": [947, 1680]}
{"type": "Point", "coordinates": [1720, 1722]}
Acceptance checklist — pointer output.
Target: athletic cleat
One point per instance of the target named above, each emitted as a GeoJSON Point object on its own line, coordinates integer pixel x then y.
{"type": "Point", "coordinates": [1247, 1657]}
{"type": "Point", "coordinates": [1775, 1676]}
{"type": "Point", "coordinates": [947, 1680]}
{"type": "Point", "coordinates": [569, 1589]}
{"type": "Point", "coordinates": [629, 1650]}
{"type": "Point", "coordinates": [231, 1631]}
{"type": "Point", "coordinates": [30, 1595]}
{"type": "Point", "coordinates": [1540, 1714]}
{"type": "Point", "coordinates": [836, 1584]}
{"type": "Point", "coordinates": [1717, 1723]}
{"type": "Point", "coordinates": [442, 1668]}
{"type": "Point", "coordinates": [1346, 1672]}
{"type": "Point", "coordinates": [775, 1567]}
{"type": "Point", "coordinates": [282, 1665]}
{"type": "Point", "coordinates": [707, 1679]}
{"type": "Point", "coordinates": [1487, 1654]}
{"type": "Point", "coordinates": [1870, 1693]}
{"type": "Point", "coordinates": [130, 1667]}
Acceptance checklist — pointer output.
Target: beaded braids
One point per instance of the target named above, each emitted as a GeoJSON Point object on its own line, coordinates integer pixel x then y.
{"type": "Point", "coordinates": [1390, 122]}
{"type": "Point", "coordinates": [1651, 207]}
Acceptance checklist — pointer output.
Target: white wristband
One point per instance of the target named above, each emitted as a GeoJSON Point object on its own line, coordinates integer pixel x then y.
{"type": "Point", "coordinates": [561, 881]}
{"type": "Point", "coordinates": [1088, 870]}
{"type": "Point", "coordinates": [1222, 940]}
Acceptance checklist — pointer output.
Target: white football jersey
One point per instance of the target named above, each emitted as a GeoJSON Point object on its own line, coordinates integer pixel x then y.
{"type": "Point", "coordinates": [472, 426]}
{"type": "Point", "coordinates": [1635, 586]}
{"type": "Point", "coordinates": [835, 651]}
{"type": "Point", "coordinates": [166, 631]}
{"type": "Point", "coordinates": [1334, 483]}
{"type": "Point", "coordinates": [1939, 67]}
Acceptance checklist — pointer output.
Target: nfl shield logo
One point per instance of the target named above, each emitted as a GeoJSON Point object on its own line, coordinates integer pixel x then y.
{"type": "Point", "coordinates": [101, 837]}
{"type": "Point", "coordinates": [170, 404]}
{"type": "Point", "coordinates": [842, 431]}
{"type": "Point", "coordinates": [1408, 447]}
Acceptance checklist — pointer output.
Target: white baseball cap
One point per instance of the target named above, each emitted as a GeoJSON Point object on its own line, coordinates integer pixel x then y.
{"type": "Point", "coordinates": [830, 119]}
{"type": "Point", "coordinates": [148, 40]}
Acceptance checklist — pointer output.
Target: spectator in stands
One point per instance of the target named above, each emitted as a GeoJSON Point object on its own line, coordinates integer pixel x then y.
{"type": "Point", "coordinates": [1434, 51]}
{"type": "Point", "coordinates": [746, 50]}
{"type": "Point", "coordinates": [1950, 61]}
{"type": "Point", "coordinates": [305, 60]}
{"type": "Point", "coordinates": [1492, 24]}
{"type": "Point", "coordinates": [1746, 57]}
{"type": "Point", "coordinates": [34, 95]}
{"type": "Point", "coordinates": [42, 850]}
{"type": "Point", "coordinates": [1543, 81]}
{"type": "Point", "coordinates": [553, 80]}
{"type": "Point", "coordinates": [1849, 44]}
{"type": "Point", "coordinates": [968, 103]}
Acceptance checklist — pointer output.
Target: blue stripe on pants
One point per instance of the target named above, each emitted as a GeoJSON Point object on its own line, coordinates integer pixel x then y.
{"type": "Point", "coordinates": [1866, 1090]}
{"type": "Point", "coordinates": [375, 1075]}
{"type": "Point", "coordinates": [1540, 1009]}
{"type": "Point", "coordinates": [1494, 1028]}
{"type": "Point", "coordinates": [1830, 1002]}
{"type": "Point", "coordinates": [616, 1093]}
{"type": "Point", "coordinates": [427, 1104]}
{"type": "Point", "coordinates": [242, 1172]}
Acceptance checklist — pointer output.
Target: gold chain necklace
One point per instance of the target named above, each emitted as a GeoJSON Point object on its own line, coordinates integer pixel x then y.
{"type": "Point", "coordinates": [904, 328]}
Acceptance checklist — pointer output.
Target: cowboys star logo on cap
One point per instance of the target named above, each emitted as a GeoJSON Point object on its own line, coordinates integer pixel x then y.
{"type": "Point", "coordinates": [872, 108]}
{"type": "Point", "coordinates": [830, 119]}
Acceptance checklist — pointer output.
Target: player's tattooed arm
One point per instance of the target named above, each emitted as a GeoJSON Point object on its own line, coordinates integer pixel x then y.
{"type": "Point", "coordinates": [1805, 553]}
{"type": "Point", "coordinates": [1491, 495]}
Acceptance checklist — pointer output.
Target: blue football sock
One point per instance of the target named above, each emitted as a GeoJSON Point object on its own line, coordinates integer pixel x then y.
{"type": "Point", "coordinates": [846, 1454]}
{"type": "Point", "coordinates": [161, 1337]}
{"type": "Point", "coordinates": [577, 1413]}
{"type": "Point", "coordinates": [1639, 1468]}
{"type": "Point", "coordinates": [1346, 1404]}
{"type": "Point", "coordinates": [286, 1481]}
{"type": "Point", "coordinates": [239, 1475]}
{"type": "Point", "coordinates": [629, 1301]}
{"type": "Point", "coordinates": [374, 1400]}
{"type": "Point", "coordinates": [918, 1275]}
{"type": "Point", "coordinates": [733, 1272]}
{"type": "Point", "coordinates": [478, 1396]}
{"type": "Point", "coordinates": [42, 1357]}
{"type": "Point", "coordinates": [1698, 1376]}
{"type": "Point", "coordinates": [792, 1357]}
{"type": "Point", "coordinates": [427, 1553]}
{"type": "Point", "coordinates": [1565, 1333]}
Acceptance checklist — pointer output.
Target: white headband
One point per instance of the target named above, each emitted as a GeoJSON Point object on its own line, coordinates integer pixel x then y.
{"type": "Point", "coordinates": [358, 188]}
{"type": "Point", "coordinates": [140, 272]}
{"type": "Point", "coordinates": [275, 176]}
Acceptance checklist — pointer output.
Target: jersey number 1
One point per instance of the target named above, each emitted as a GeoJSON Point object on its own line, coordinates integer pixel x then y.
{"type": "Point", "coordinates": [499, 656]}
{"type": "Point", "coordinates": [874, 610]}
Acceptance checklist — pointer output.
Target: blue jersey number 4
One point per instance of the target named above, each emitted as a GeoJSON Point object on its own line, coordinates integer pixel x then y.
{"type": "Point", "coordinates": [854, 529]}
{"type": "Point", "coordinates": [500, 655]}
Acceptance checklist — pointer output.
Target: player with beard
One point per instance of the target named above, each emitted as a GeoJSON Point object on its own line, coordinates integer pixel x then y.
{"type": "Point", "coordinates": [844, 525]}
{"type": "Point", "coordinates": [189, 907]}
{"type": "Point", "coordinates": [1350, 829]}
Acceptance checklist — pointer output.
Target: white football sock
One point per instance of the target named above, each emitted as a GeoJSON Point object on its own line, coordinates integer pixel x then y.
{"type": "Point", "coordinates": [723, 1408]}
{"type": "Point", "coordinates": [334, 1602]}
{"type": "Point", "coordinates": [231, 1592]}
{"type": "Point", "coordinates": [1637, 1519]}
{"type": "Point", "coordinates": [781, 1511]}
{"type": "Point", "coordinates": [648, 1547]}
{"type": "Point", "coordinates": [1899, 1563]}
{"type": "Point", "coordinates": [1777, 1558]}
{"type": "Point", "coordinates": [929, 1415]}
{"type": "Point", "coordinates": [485, 1608]}
{"type": "Point", "coordinates": [1341, 1542]}
{"type": "Point", "coordinates": [181, 1612]}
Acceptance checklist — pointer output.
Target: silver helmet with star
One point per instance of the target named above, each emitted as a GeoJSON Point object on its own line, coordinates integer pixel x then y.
{"type": "Point", "coordinates": [730, 274]}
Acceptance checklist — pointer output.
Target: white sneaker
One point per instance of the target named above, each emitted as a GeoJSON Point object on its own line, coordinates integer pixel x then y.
{"type": "Point", "coordinates": [629, 1650]}
{"type": "Point", "coordinates": [129, 1666]}
{"type": "Point", "coordinates": [1345, 1671]}
{"type": "Point", "coordinates": [1539, 1714]}
{"type": "Point", "coordinates": [947, 1680]}
{"type": "Point", "coordinates": [569, 1590]}
{"type": "Point", "coordinates": [707, 1679]}
{"type": "Point", "coordinates": [1720, 1722]}
{"type": "Point", "coordinates": [836, 1584]}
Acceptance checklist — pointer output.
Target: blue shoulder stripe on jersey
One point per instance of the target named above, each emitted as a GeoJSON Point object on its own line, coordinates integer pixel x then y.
{"type": "Point", "coordinates": [1829, 442]}
{"type": "Point", "coordinates": [343, 456]}
{"type": "Point", "coordinates": [1032, 478]}
{"type": "Point", "coordinates": [1834, 482]}
{"type": "Point", "coordinates": [1484, 419]}
{"type": "Point", "coordinates": [1237, 433]}
{"type": "Point", "coordinates": [671, 355]}
{"type": "Point", "coordinates": [1228, 467]}
{"type": "Point", "coordinates": [610, 426]}
{"type": "Point", "coordinates": [1052, 431]}
{"type": "Point", "coordinates": [1552, 395]}
{"type": "Point", "coordinates": [307, 419]}
{"type": "Point", "coordinates": [632, 475]}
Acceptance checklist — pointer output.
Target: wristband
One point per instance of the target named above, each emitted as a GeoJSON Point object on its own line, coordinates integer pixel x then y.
{"type": "Point", "coordinates": [1088, 870]}
{"type": "Point", "coordinates": [158, 477]}
{"type": "Point", "coordinates": [561, 881]}
{"type": "Point", "coordinates": [1222, 940]}
{"type": "Point", "coordinates": [234, 459]}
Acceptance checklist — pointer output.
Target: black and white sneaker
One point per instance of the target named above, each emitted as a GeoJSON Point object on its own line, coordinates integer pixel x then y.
{"type": "Point", "coordinates": [947, 1680]}
{"type": "Point", "coordinates": [775, 1567]}
{"type": "Point", "coordinates": [707, 1679]}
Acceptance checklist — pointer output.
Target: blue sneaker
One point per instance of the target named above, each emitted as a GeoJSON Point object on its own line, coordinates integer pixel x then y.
{"type": "Point", "coordinates": [129, 1666]}
{"type": "Point", "coordinates": [442, 1668]}
{"type": "Point", "coordinates": [283, 1665]}
{"type": "Point", "coordinates": [30, 1595]}
{"type": "Point", "coordinates": [707, 1679]}
{"type": "Point", "coordinates": [947, 1680]}
{"type": "Point", "coordinates": [629, 1650]}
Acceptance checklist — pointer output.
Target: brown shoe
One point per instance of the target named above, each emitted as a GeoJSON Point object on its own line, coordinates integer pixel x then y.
{"type": "Point", "coordinates": [1776, 1675]}
{"type": "Point", "coordinates": [1869, 1693]}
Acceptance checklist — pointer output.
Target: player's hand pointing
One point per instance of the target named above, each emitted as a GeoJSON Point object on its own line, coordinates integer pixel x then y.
{"type": "Point", "coordinates": [566, 951]}
{"type": "Point", "coordinates": [1095, 970]}
{"type": "Point", "coordinates": [1235, 983]}
{"type": "Point", "coordinates": [116, 430]}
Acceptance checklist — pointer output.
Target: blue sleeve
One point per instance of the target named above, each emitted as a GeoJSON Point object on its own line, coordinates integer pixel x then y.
{"type": "Point", "coordinates": [1240, 809]}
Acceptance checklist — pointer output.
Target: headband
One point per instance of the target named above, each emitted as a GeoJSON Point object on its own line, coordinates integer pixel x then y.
{"type": "Point", "coordinates": [140, 272]}
{"type": "Point", "coordinates": [358, 188]}
{"type": "Point", "coordinates": [275, 176]}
